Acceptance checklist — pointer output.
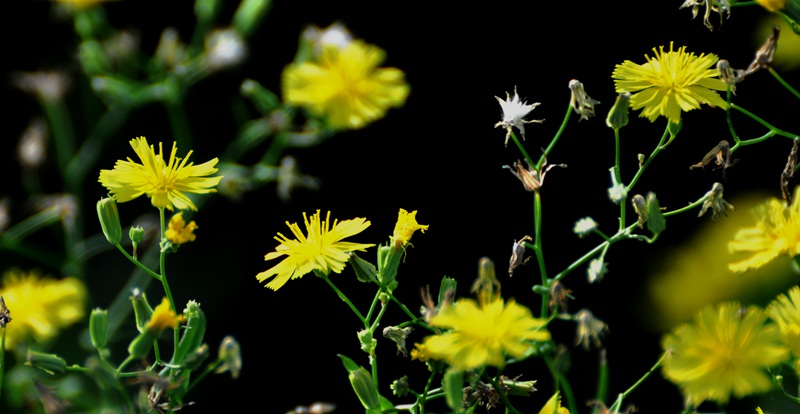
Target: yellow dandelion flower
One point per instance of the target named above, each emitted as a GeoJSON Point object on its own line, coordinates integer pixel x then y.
{"type": "Point", "coordinates": [671, 82]}
{"type": "Point", "coordinates": [483, 335]}
{"type": "Point", "coordinates": [777, 232]}
{"type": "Point", "coordinates": [40, 306]}
{"type": "Point", "coordinates": [166, 183]}
{"type": "Point", "coordinates": [553, 406]}
{"type": "Point", "coordinates": [163, 317]}
{"type": "Point", "coordinates": [405, 228]}
{"type": "Point", "coordinates": [178, 231]}
{"type": "Point", "coordinates": [321, 250]}
{"type": "Point", "coordinates": [723, 352]}
{"type": "Point", "coordinates": [345, 86]}
{"type": "Point", "coordinates": [785, 310]}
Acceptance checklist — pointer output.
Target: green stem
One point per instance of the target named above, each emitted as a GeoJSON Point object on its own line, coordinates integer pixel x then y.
{"type": "Point", "coordinates": [560, 132]}
{"type": "Point", "coordinates": [63, 136]}
{"type": "Point", "coordinates": [372, 307]}
{"type": "Point", "coordinates": [522, 149]}
{"type": "Point", "coordinates": [537, 248]}
{"type": "Point", "coordinates": [123, 364]}
{"type": "Point", "coordinates": [562, 384]}
{"type": "Point", "coordinates": [181, 131]}
{"type": "Point", "coordinates": [414, 319]}
{"type": "Point", "coordinates": [602, 379]}
{"type": "Point", "coordinates": [343, 297]}
{"type": "Point", "coordinates": [615, 408]}
{"type": "Point", "coordinates": [2, 358]}
{"type": "Point", "coordinates": [764, 123]}
{"type": "Point", "coordinates": [209, 369]}
{"type": "Point", "coordinates": [623, 206]}
{"type": "Point", "coordinates": [138, 263]}
{"type": "Point", "coordinates": [649, 159]}
{"type": "Point", "coordinates": [729, 119]}
{"type": "Point", "coordinates": [162, 262]}
{"type": "Point", "coordinates": [786, 85]}
{"type": "Point", "coordinates": [88, 153]}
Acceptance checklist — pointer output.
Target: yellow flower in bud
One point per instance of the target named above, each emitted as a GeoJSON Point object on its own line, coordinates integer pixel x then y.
{"type": "Point", "coordinates": [179, 232]}
{"type": "Point", "coordinates": [163, 317]}
{"type": "Point", "coordinates": [405, 228]}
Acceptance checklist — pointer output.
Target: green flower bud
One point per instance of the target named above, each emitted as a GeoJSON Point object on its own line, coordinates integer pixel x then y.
{"type": "Point", "coordinates": [136, 233]}
{"type": "Point", "coordinates": [141, 309]}
{"type": "Point", "coordinates": [263, 99]}
{"type": "Point", "coordinates": [365, 271]}
{"type": "Point", "coordinates": [656, 222]}
{"type": "Point", "coordinates": [193, 334]}
{"type": "Point", "coordinates": [400, 386]}
{"type": "Point", "coordinates": [109, 219]}
{"type": "Point", "coordinates": [249, 15]}
{"type": "Point", "coordinates": [618, 115]}
{"type": "Point", "coordinates": [93, 58]}
{"type": "Point", "coordinates": [388, 262]}
{"type": "Point", "coordinates": [50, 363]}
{"type": "Point", "coordinates": [231, 355]}
{"type": "Point", "coordinates": [447, 291]}
{"type": "Point", "coordinates": [515, 387]}
{"type": "Point", "coordinates": [98, 328]}
{"type": "Point", "coordinates": [196, 357]}
{"type": "Point", "coordinates": [453, 388]}
{"type": "Point", "coordinates": [362, 383]}
{"type": "Point", "coordinates": [368, 343]}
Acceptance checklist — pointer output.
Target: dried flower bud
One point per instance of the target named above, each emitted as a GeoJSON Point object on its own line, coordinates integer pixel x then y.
{"type": "Point", "coordinates": [231, 355]}
{"type": "Point", "coordinates": [518, 255]}
{"type": "Point", "coordinates": [715, 202]}
{"type": "Point", "coordinates": [486, 286]}
{"type": "Point", "coordinates": [5, 313]}
{"type": "Point", "coordinates": [398, 335]}
{"type": "Point", "coordinates": [766, 53]}
{"type": "Point", "coordinates": [580, 101]}
{"type": "Point", "coordinates": [589, 329]}
{"type": "Point", "coordinates": [730, 75]}
{"type": "Point", "coordinates": [640, 207]}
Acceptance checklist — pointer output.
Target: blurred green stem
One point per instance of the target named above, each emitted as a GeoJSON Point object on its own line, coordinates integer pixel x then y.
{"type": "Point", "coordinates": [343, 297]}
{"type": "Point", "coordinates": [181, 132]}
{"type": "Point", "coordinates": [63, 137]}
{"type": "Point", "coordinates": [561, 383]}
{"type": "Point", "coordinates": [560, 132]}
{"type": "Point", "coordinates": [618, 403]}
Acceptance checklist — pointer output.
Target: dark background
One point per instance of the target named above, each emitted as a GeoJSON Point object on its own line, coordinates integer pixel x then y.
{"type": "Point", "coordinates": [439, 155]}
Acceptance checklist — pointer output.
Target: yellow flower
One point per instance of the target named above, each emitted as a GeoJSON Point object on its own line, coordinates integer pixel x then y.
{"type": "Point", "coordinates": [322, 250]}
{"type": "Point", "coordinates": [483, 335]}
{"type": "Point", "coordinates": [40, 306]}
{"type": "Point", "coordinates": [420, 352]}
{"type": "Point", "coordinates": [772, 5]}
{"type": "Point", "coordinates": [553, 406]}
{"type": "Point", "coordinates": [672, 82]}
{"type": "Point", "coordinates": [166, 183]}
{"type": "Point", "coordinates": [345, 86]}
{"type": "Point", "coordinates": [723, 352]}
{"type": "Point", "coordinates": [777, 232]}
{"type": "Point", "coordinates": [785, 310]}
{"type": "Point", "coordinates": [405, 228]}
{"type": "Point", "coordinates": [81, 4]}
{"type": "Point", "coordinates": [163, 317]}
{"type": "Point", "coordinates": [179, 232]}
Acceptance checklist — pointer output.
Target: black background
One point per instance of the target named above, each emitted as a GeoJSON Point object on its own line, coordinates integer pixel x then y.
{"type": "Point", "coordinates": [440, 155]}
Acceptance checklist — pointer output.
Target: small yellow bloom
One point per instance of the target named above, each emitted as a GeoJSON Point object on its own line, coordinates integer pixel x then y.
{"type": "Point", "coordinates": [553, 406]}
{"type": "Point", "coordinates": [405, 228]}
{"type": "Point", "coordinates": [777, 232]}
{"type": "Point", "coordinates": [420, 352]}
{"type": "Point", "coordinates": [485, 334]}
{"type": "Point", "coordinates": [785, 310]}
{"type": "Point", "coordinates": [179, 232]}
{"type": "Point", "coordinates": [345, 85]}
{"type": "Point", "coordinates": [163, 317]}
{"type": "Point", "coordinates": [321, 250]}
{"type": "Point", "coordinates": [166, 183]}
{"type": "Point", "coordinates": [772, 5]}
{"type": "Point", "coordinates": [724, 351]}
{"type": "Point", "coordinates": [40, 306]}
{"type": "Point", "coordinates": [671, 82]}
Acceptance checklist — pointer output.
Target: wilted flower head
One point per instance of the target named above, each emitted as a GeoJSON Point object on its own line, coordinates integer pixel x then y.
{"type": "Point", "coordinates": [716, 203]}
{"type": "Point", "coordinates": [589, 329]}
{"type": "Point", "coordinates": [230, 354]}
{"type": "Point", "coordinates": [730, 75]}
{"type": "Point", "coordinates": [47, 86]}
{"type": "Point", "coordinates": [225, 48]}
{"type": "Point", "coordinates": [518, 255]}
{"type": "Point", "coordinates": [514, 112]}
{"type": "Point", "coordinates": [766, 53]}
{"type": "Point", "coordinates": [584, 226]}
{"type": "Point", "coordinates": [580, 101]}
{"type": "Point", "coordinates": [531, 179]}
{"type": "Point", "coordinates": [717, 6]}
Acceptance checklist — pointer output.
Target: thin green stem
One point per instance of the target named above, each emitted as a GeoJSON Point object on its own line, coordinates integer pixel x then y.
{"type": "Point", "coordinates": [378, 318]}
{"type": "Point", "coordinates": [537, 248]}
{"type": "Point", "coordinates": [785, 84]}
{"type": "Point", "coordinates": [649, 159]}
{"type": "Point", "coordinates": [162, 263]}
{"type": "Point", "coordinates": [730, 119]}
{"type": "Point", "coordinates": [560, 132]}
{"type": "Point", "coordinates": [63, 136]}
{"type": "Point", "coordinates": [209, 369]}
{"type": "Point", "coordinates": [602, 378]}
{"type": "Point", "coordinates": [764, 123]}
{"type": "Point", "coordinates": [372, 307]}
{"type": "Point", "coordinates": [123, 364]}
{"type": "Point", "coordinates": [343, 297]}
{"type": "Point", "coordinates": [138, 264]}
{"type": "Point", "coordinates": [522, 149]}
{"type": "Point", "coordinates": [414, 319]}
{"type": "Point", "coordinates": [623, 206]}
{"type": "Point", "coordinates": [181, 131]}
{"type": "Point", "coordinates": [615, 408]}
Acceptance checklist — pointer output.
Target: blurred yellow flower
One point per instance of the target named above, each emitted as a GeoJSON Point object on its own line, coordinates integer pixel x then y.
{"type": "Point", "coordinates": [785, 310]}
{"type": "Point", "coordinates": [777, 232]}
{"type": "Point", "coordinates": [321, 250]}
{"type": "Point", "coordinates": [40, 306]}
{"type": "Point", "coordinates": [163, 317]}
{"type": "Point", "coordinates": [345, 86]}
{"type": "Point", "coordinates": [483, 335]}
{"type": "Point", "coordinates": [81, 4]}
{"type": "Point", "coordinates": [553, 406]}
{"type": "Point", "coordinates": [671, 82]}
{"type": "Point", "coordinates": [166, 183]}
{"type": "Point", "coordinates": [772, 5]}
{"type": "Point", "coordinates": [405, 228]}
{"type": "Point", "coordinates": [723, 352]}
{"type": "Point", "coordinates": [179, 232]}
